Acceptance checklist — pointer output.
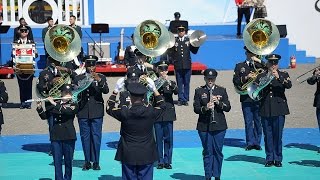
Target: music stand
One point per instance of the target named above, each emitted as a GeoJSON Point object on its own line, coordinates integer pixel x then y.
{"type": "Point", "coordinates": [3, 30]}
{"type": "Point", "coordinates": [99, 28]}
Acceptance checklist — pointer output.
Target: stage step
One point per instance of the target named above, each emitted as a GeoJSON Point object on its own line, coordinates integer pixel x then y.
{"type": "Point", "coordinates": [300, 55]}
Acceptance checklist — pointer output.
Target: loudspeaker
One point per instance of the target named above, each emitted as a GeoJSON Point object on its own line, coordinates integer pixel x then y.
{"type": "Point", "coordinates": [95, 50]}
{"type": "Point", "coordinates": [282, 30]}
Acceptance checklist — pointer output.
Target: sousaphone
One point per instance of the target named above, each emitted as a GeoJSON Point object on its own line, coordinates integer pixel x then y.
{"type": "Point", "coordinates": [152, 38]}
{"type": "Point", "coordinates": [62, 43]}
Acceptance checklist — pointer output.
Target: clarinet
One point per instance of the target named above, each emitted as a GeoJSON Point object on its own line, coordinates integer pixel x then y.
{"type": "Point", "coordinates": [212, 110]}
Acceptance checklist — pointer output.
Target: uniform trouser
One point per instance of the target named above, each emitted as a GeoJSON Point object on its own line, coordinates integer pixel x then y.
{"type": "Point", "coordinates": [241, 12]}
{"type": "Point", "coordinates": [63, 149]}
{"type": "Point", "coordinates": [25, 88]}
{"type": "Point", "coordinates": [212, 143]}
{"type": "Point", "coordinates": [164, 139]}
{"type": "Point", "coordinates": [91, 133]}
{"type": "Point", "coordinates": [252, 122]}
{"type": "Point", "coordinates": [50, 120]}
{"type": "Point", "coordinates": [183, 81]}
{"type": "Point", "coordinates": [318, 117]}
{"type": "Point", "coordinates": [137, 172]}
{"type": "Point", "coordinates": [273, 129]}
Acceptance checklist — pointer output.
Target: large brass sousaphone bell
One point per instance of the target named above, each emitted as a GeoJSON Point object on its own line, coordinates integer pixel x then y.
{"type": "Point", "coordinates": [62, 43]}
{"type": "Point", "coordinates": [152, 38]}
{"type": "Point", "coordinates": [261, 36]}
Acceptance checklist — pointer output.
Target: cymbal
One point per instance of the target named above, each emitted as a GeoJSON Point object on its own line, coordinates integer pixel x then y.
{"type": "Point", "coordinates": [172, 40]}
{"type": "Point", "coordinates": [197, 38]}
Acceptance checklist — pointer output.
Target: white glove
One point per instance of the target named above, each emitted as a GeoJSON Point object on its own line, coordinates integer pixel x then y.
{"type": "Point", "coordinates": [151, 84]}
{"type": "Point", "coordinates": [119, 85]}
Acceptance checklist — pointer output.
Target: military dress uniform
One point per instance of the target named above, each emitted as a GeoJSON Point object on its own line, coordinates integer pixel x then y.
{"type": "Point", "coordinates": [164, 125]}
{"type": "Point", "coordinates": [25, 80]}
{"type": "Point", "coordinates": [250, 108]}
{"type": "Point", "coordinates": [129, 55]}
{"type": "Point", "coordinates": [273, 108]}
{"type": "Point", "coordinates": [3, 99]}
{"type": "Point", "coordinates": [181, 57]}
{"type": "Point", "coordinates": [90, 116]}
{"type": "Point", "coordinates": [124, 96]}
{"type": "Point", "coordinates": [211, 126]}
{"type": "Point", "coordinates": [62, 134]}
{"type": "Point", "coordinates": [316, 103]}
{"type": "Point", "coordinates": [136, 148]}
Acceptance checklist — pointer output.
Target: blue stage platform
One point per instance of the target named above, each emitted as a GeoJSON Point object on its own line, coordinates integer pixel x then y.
{"type": "Point", "coordinates": [222, 50]}
{"type": "Point", "coordinates": [24, 157]}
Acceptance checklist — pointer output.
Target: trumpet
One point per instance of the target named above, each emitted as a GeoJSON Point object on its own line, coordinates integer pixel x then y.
{"type": "Point", "coordinates": [311, 70]}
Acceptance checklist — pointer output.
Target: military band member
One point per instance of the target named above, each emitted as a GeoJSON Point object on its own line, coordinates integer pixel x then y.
{"type": "Point", "coordinates": [16, 33]}
{"type": "Point", "coordinates": [210, 102]}
{"type": "Point", "coordinates": [140, 66]}
{"type": "Point", "coordinates": [25, 80]}
{"type": "Point", "coordinates": [244, 72]}
{"type": "Point", "coordinates": [132, 76]}
{"type": "Point", "coordinates": [137, 148]}
{"type": "Point", "coordinates": [63, 133]}
{"type": "Point", "coordinates": [164, 125]}
{"type": "Point", "coordinates": [180, 54]}
{"type": "Point", "coordinates": [129, 55]}
{"type": "Point", "coordinates": [47, 78]}
{"type": "Point", "coordinates": [3, 99]}
{"type": "Point", "coordinates": [315, 78]}
{"type": "Point", "coordinates": [91, 112]}
{"type": "Point", "coordinates": [273, 108]}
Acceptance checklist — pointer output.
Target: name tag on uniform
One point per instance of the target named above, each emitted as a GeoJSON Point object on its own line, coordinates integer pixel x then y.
{"type": "Point", "coordinates": [204, 96]}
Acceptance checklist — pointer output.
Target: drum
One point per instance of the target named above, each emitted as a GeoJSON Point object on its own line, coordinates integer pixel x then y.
{"type": "Point", "coordinates": [23, 58]}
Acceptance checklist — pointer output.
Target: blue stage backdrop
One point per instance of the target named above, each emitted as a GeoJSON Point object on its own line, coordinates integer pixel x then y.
{"type": "Point", "coordinates": [221, 50]}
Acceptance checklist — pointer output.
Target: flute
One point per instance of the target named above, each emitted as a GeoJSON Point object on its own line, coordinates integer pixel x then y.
{"type": "Point", "coordinates": [46, 99]}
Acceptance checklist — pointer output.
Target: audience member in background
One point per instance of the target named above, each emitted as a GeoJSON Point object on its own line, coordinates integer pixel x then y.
{"type": "Point", "coordinates": [44, 32]}
{"type": "Point", "coordinates": [260, 10]}
{"type": "Point", "coordinates": [243, 9]}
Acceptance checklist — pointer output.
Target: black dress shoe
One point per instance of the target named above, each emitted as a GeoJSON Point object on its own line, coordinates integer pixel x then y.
{"type": "Point", "coordinates": [249, 147]}
{"type": "Point", "coordinates": [50, 153]}
{"type": "Point", "coordinates": [186, 103]}
{"type": "Point", "coordinates": [28, 107]}
{"type": "Point", "coordinates": [277, 164]}
{"type": "Point", "coordinates": [86, 166]}
{"type": "Point", "coordinates": [269, 164]}
{"type": "Point", "coordinates": [96, 166]}
{"type": "Point", "coordinates": [179, 103]}
{"type": "Point", "coordinates": [160, 166]}
{"type": "Point", "coordinates": [257, 147]}
{"type": "Point", "coordinates": [21, 107]}
{"type": "Point", "coordinates": [167, 166]}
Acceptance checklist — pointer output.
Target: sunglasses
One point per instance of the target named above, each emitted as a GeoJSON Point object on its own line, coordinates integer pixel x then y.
{"type": "Point", "coordinates": [24, 31]}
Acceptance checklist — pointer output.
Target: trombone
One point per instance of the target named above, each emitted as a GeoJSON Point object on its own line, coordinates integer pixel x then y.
{"type": "Point", "coordinates": [311, 70]}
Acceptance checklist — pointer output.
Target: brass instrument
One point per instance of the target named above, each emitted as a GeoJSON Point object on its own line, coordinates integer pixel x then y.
{"type": "Point", "coordinates": [311, 70]}
{"type": "Point", "coordinates": [197, 38]}
{"type": "Point", "coordinates": [242, 90]}
{"type": "Point", "coordinates": [55, 90]}
{"type": "Point", "coordinates": [261, 36]}
{"type": "Point", "coordinates": [62, 43]}
{"type": "Point", "coordinates": [151, 38]}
